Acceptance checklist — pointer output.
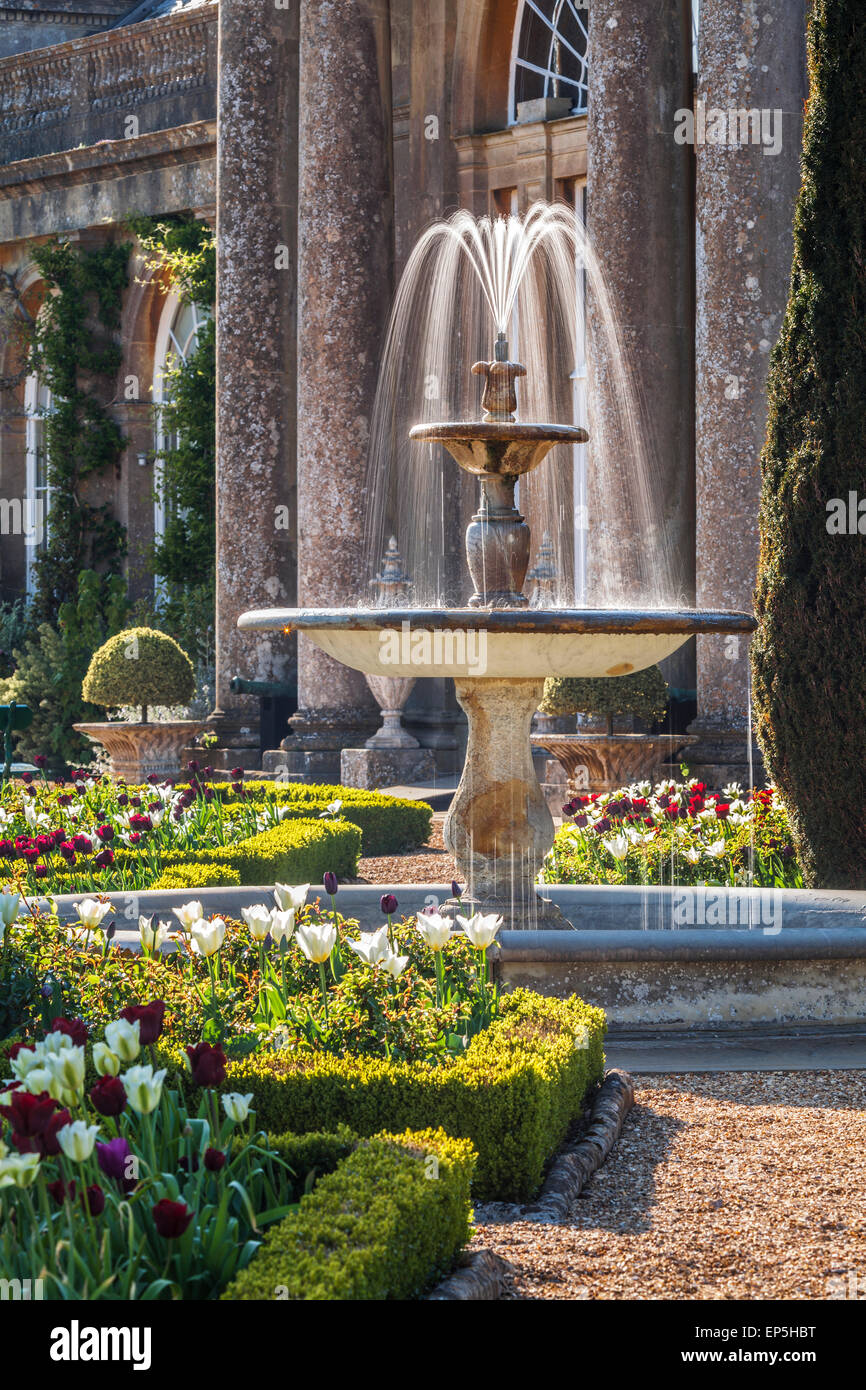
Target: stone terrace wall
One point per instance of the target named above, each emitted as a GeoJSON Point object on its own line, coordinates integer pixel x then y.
{"type": "Point", "coordinates": [163, 72]}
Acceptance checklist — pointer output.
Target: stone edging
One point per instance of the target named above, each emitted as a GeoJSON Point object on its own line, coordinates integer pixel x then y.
{"type": "Point", "coordinates": [482, 1274]}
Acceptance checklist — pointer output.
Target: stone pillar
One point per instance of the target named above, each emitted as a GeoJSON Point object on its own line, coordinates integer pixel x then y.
{"type": "Point", "coordinates": [751, 68]}
{"type": "Point", "coordinates": [256, 345]}
{"type": "Point", "coordinates": [345, 274]}
{"type": "Point", "coordinates": [640, 218]}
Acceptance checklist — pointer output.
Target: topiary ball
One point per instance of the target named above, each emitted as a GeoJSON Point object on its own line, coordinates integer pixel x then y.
{"type": "Point", "coordinates": [643, 694]}
{"type": "Point", "coordinates": [139, 667]}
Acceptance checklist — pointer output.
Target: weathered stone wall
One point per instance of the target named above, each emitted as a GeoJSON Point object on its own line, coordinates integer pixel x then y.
{"type": "Point", "coordinates": [111, 86]}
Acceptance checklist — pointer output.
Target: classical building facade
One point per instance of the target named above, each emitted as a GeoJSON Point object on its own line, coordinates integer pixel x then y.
{"type": "Point", "coordinates": [322, 136]}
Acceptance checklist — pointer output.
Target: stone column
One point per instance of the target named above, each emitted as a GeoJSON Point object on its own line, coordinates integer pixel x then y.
{"type": "Point", "coordinates": [256, 270]}
{"type": "Point", "coordinates": [751, 72]}
{"type": "Point", "coordinates": [639, 214]}
{"type": "Point", "coordinates": [345, 274]}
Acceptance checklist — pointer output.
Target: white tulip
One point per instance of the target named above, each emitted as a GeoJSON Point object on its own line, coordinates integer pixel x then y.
{"type": "Point", "coordinates": [394, 964]}
{"type": "Point", "coordinates": [123, 1038]}
{"type": "Point", "coordinates": [56, 1042]}
{"type": "Point", "coordinates": [617, 845]}
{"type": "Point", "coordinates": [189, 915]}
{"type": "Point", "coordinates": [152, 937]}
{"type": "Point", "coordinates": [282, 925]}
{"type": "Point", "coordinates": [91, 913]}
{"type": "Point", "coordinates": [77, 1140]}
{"type": "Point", "coordinates": [317, 940]}
{"type": "Point", "coordinates": [481, 930]}
{"type": "Point", "coordinates": [68, 1067]}
{"type": "Point", "coordinates": [8, 908]}
{"type": "Point", "coordinates": [208, 937]}
{"type": "Point", "coordinates": [373, 947]}
{"type": "Point", "coordinates": [434, 929]}
{"type": "Point", "coordinates": [18, 1170]}
{"type": "Point", "coordinates": [107, 1063]}
{"type": "Point", "coordinates": [143, 1088]}
{"type": "Point", "coordinates": [288, 898]}
{"type": "Point", "coordinates": [41, 1079]}
{"type": "Point", "coordinates": [27, 1060]}
{"type": "Point", "coordinates": [693, 855]}
{"type": "Point", "coordinates": [258, 919]}
{"type": "Point", "coordinates": [717, 849]}
{"type": "Point", "coordinates": [236, 1106]}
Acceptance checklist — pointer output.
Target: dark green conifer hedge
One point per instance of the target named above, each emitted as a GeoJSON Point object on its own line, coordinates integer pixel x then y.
{"type": "Point", "coordinates": [809, 654]}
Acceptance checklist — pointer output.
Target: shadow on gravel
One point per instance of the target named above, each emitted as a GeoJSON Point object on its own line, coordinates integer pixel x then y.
{"type": "Point", "coordinates": [621, 1195]}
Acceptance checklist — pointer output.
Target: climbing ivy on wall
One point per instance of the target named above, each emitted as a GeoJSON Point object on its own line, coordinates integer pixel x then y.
{"type": "Point", "coordinates": [183, 558]}
{"type": "Point", "coordinates": [75, 350]}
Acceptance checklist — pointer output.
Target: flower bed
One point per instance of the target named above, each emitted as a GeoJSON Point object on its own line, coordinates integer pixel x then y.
{"type": "Point", "coordinates": [675, 833]}
{"type": "Point", "coordinates": [94, 835]}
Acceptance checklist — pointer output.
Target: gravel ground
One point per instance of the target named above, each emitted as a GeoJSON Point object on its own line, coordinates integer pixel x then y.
{"type": "Point", "coordinates": [723, 1186]}
{"type": "Point", "coordinates": [432, 864]}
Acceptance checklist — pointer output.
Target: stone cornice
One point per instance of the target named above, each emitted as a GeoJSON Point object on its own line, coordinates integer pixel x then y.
{"type": "Point", "coordinates": [109, 159]}
{"type": "Point", "coordinates": [110, 71]}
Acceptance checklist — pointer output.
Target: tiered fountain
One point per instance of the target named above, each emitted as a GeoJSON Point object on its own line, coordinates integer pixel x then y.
{"type": "Point", "coordinates": [499, 827]}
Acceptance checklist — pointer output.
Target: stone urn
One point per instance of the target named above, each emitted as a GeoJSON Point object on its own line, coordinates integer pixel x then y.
{"type": "Point", "coordinates": [138, 751]}
{"type": "Point", "coordinates": [391, 694]}
{"type": "Point", "coordinates": [605, 762]}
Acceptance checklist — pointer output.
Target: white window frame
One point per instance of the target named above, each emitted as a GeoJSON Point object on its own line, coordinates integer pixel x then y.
{"type": "Point", "coordinates": [579, 104]}
{"type": "Point", "coordinates": [35, 413]}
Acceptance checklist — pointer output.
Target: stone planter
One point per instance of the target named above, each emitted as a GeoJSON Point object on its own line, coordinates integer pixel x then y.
{"type": "Point", "coordinates": [605, 762]}
{"type": "Point", "coordinates": [138, 751]}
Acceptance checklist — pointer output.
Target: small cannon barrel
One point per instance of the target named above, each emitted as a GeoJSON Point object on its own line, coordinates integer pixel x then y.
{"type": "Point", "coordinates": [240, 686]}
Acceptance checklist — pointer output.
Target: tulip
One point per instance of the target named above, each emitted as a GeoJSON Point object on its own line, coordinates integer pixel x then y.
{"type": "Point", "coordinates": [8, 908]}
{"type": "Point", "coordinates": [124, 1039]}
{"type": "Point", "coordinates": [207, 1063]}
{"type": "Point", "coordinates": [258, 919]}
{"type": "Point", "coordinates": [117, 1162]}
{"type": "Point", "coordinates": [481, 930]}
{"type": "Point", "coordinates": [108, 1096]}
{"type": "Point", "coordinates": [149, 1017]}
{"type": "Point", "coordinates": [433, 929]}
{"type": "Point", "coordinates": [143, 1088]}
{"type": "Point", "coordinates": [288, 898]}
{"type": "Point", "coordinates": [91, 913]}
{"type": "Point", "coordinates": [456, 890]}
{"type": "Point", "coordinates": [236, 1106]}
{"type": "Point", "coordinates": [61, 1191]}
{"type": "Point", "coordinates": [107, 1063]}
{"type": "Point", "coordinates": [35, 1122]}
{"type": "Point", "coordinates": [282, 925]}
{"type": "Point", "coordinates": [18, 1170]}
{"type": "Point", "coordinates": [317, 940]}
{"type": "Point", "coordinates": [214, 1160]}
{"type": "Point", "coordinates": [152, 937]}
{"type": "Point", "coordinates": [618, 846]}
{"type": "Point", "coordinates": [93, 1198]}
{"type": "Point", "coordinates": [73, 1028]}
{"type": "Point", "coordinates": [68, 1068]}
{"type": "Point", "coordinates": [330, 883]}
{"type": "Point", "coordinates": [42, 1081]}
{"type": "Point", "coordinates": [388, 904]}
{"type": "Point", "coordinates": [394, 964]}
{"type": "Point", "coordinates": [189, 915]}
{"type": "Point", "coordinates": [77, 1140]}
{"type": "Point", "coordinates": [171, 1218]}
{"type": "Point", "coordinates": [208, 937]}
{"type": "Point", "coordinates": [373, 947]}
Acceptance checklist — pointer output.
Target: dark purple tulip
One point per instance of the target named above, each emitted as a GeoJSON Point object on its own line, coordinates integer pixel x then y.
{"type": "Point", "coordinates": [455, 890]}
{"type": "Point", "coordinates": [330, 882]}
{"type": "Point", "coordinates": [113, 1159]}
{"type": "Point", "coordinates": [388, 904]}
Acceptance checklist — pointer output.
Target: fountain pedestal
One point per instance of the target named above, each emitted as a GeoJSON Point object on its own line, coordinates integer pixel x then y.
{"type": "Point", "coordinates": [499, 827]}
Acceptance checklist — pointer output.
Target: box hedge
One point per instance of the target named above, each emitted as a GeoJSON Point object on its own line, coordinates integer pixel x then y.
{"type": "Point", "coordinates": [386, 1224]}
{"type": "Point", "coordinates": [295, 851]}
{"type": "Point", "coordinates": [514, 1091]}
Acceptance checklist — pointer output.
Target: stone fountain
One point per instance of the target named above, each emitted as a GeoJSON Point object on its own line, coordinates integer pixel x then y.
{"type": "Point", "coordinates": [499, 651]}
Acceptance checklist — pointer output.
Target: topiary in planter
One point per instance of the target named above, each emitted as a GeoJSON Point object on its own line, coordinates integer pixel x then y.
{"type": "Point", "coordinates": [807, 655]}
{"type": "Point", "coordinates": [643, 694]}
{"type": "Point", "coordinates": [139, 666]}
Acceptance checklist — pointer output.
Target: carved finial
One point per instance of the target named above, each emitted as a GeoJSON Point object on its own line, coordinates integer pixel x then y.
{"type": "Point", "coordinates": [499, 401]}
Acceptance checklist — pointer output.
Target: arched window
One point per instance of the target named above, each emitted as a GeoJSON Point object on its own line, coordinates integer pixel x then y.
{"type": "Point", "coordinates": [177, 339]}
{"type": "Point", "coordinates": [37, 498]}
{"type": "Point", "coordinates": [550, 47]}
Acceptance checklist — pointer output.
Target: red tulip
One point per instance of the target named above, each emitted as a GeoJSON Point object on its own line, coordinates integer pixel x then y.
{"type": "Point", "coordinates": [108, 1095]}
{"type": "Point", "coordinates": [150, 1018]}
{"type": "Point", "coordinates": [72, 1027]}
{"type": "Point", "coordinates": [171, 1218]}
{"type": "Point", "coordinates": [207, 1064]}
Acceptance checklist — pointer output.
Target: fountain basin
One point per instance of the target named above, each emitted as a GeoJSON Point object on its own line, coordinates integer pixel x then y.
{"type": "Point", "coordinates": [497, 643]}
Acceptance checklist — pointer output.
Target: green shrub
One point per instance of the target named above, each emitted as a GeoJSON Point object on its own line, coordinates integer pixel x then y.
{"type": "Point", "coordinates": [139, 666]}
{"type": "Point", "coordinates": [643, 694]}
{"type": "Point", "coordinates": [807, 655]}
{"type": "Point", "coordinates": [198, 876]}
{"type": "Point", "coordinates": [514, 1092]}
{"type": "Point", "coordinates": [381, 1226]}
{"type": "Point", "coordinates": [296, 851]}
{"type": "Point", "coordinates": [388, 824]}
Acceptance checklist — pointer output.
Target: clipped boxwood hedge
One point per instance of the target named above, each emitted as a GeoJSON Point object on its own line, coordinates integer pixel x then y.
{"type": "Point", "coordinates": [386, 1224]}
{"type": "Point", "coordinates": [514, 1091]}
{"type": "Point", "coordinates": [295, 851]}
{"type": "Point", "coordinates": [198, 876]}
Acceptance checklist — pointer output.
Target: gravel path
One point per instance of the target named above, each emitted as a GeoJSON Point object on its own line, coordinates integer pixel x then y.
{"type": "Point", "coordinates": [432, 864]}
{"type": "Point", "coordinates": [734, 1185]}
